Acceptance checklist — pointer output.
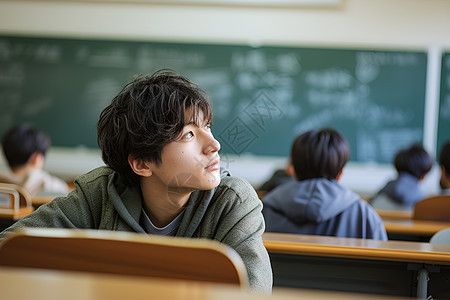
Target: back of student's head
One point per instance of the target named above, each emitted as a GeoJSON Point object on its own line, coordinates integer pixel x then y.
{"type": "Point", "coordinates": [444, 157]}
{"type": "Point", "coordinates": [414, 160]}
{"type": "Point", "coordinates": [145, 116]}
{"type": "Point", "coordinates": [20, 142]}
{"type": "Point", "coordinates": [319, 153]}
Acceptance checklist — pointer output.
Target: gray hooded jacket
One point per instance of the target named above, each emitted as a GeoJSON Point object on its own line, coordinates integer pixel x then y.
{"type": "Point", "coordinates": [229, 213]}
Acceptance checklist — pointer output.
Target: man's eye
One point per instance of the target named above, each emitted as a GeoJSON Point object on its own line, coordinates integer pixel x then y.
{"type": "Point", "coordinates": [208, 126]}
{"type": "Point", "coordinates": [188, 135]}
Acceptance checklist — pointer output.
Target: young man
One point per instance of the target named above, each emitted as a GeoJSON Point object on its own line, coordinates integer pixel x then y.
{"type": "Point", "coordinates": [24, 148]}
{"type": "Point", "coordinates": [163, 176]}
{"type": "Point", "coordinates": [315, 203]}
{"type": "Point", "coordinates": [444, 162]}
{"type": "Point", "coordinates": [412, 165]}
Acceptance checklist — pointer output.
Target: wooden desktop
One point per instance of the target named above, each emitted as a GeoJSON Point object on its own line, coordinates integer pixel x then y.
{"type": "Point", "coordinates": [359, 265]}
{"type": "Point", "coordinates": [24, 284]}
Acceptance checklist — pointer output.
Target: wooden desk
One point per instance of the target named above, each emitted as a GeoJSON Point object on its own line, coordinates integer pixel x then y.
{"type": "Point", "coordinates": [357, 265]}
{"type": "Point", "coordinates": [413, 230]}
{"type": "Point", "coordinates": [39, 200]}
{"type": "Point", "coordinates": [24, 284]}
{"type": "Point", "coordinates": [394, 214]}
{"type": "Point", "coordinates": [16, 214]}
{"type": "Point", "coordinates": [7, 218]}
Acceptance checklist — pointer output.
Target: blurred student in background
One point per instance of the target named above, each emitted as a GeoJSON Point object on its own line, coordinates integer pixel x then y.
{"type": "Point", "coordinates": [444, 163]}
{"type": "Point", "coordinates": [278, 177]}
{"type": "Point", "coordinates": [412, 165]}
{"type": "Point", "coordinates": [315, 203]}
{"type": "Point", "coordinates": [24, 148]}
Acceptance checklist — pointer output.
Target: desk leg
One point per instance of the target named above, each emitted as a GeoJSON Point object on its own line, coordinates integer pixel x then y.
{"type": "Point", "coordinates": [422, 283]}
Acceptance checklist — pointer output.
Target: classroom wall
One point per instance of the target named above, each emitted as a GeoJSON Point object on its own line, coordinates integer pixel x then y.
{"type": "Point", "coordinates": [386, 24]}
{"type": "Point", "coordinates": [396, 23]}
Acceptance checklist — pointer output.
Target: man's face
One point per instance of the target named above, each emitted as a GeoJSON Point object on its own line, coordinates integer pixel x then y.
{"type": "Point", "coordinates": [192, 161]}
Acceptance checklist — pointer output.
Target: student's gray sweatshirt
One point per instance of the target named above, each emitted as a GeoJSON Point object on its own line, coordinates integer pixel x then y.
{"type": "Point", "coordinates": [229, 213]}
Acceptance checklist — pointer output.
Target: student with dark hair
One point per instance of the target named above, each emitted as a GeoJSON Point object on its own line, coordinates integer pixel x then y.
{"type": "Point", "coordinates": [315, 203]}
{"type": "Point", "coordinates": [163, 176]}
{"type": "Point", "coordinates": [444, 163]}
{"type": "Point", "coordinates": [24, 148]}
{"type": "Point", "coordinates": [412, 165]}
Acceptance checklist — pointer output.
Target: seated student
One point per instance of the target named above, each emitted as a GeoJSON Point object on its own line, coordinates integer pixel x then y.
{"type": "Point", "coordinates": [444, 162]}
{"type": "Point", "coordinates": [315, 203]}
{"type": "Point", "coordinates": [278, 177]}
{"type": "Point", "coordinates": [24, 148]}
{"type": "Point", "coordinates": [163, 176]}
{"type": "Point", "coordinates": [412, 165]}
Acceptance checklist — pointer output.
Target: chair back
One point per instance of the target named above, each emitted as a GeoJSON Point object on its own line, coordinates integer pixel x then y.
{"type": "Point", "coordinates": [9, 198]}
{"type": "Point", "coordinates": [123, 253]}
{"type": "Point", "coordinates": [436, 208]}
{"type": "Point", "coordinates": [441, 237]}
{"type": "Point", "coordinates": [13, 196]}
{"type": "Point", "coordinates": [15, 203]}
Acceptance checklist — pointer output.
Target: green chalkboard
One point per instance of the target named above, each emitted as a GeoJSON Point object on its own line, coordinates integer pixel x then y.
{"type": "Point", "coordinates": [262, 97]}
{"type": "Point", "coordinates": [444, 103]}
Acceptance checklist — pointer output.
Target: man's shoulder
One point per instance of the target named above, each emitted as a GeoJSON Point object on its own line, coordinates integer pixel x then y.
{"type": "Point", "coordinates": [238, 186]}
{"type": "Point", "coordinates": [8, 177]}
{"type": "Point", "coordinates": [99, 174]}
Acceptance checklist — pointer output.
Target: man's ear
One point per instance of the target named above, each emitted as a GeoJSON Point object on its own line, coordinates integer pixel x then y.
{"type": "Point", "coordinates": [290, 171]}
{"type": "Point", "coordinates": [443, 171]}
{"type": "Point", "coordinates": [37, 160]}
{"type": "Point", "coordinates": [445, 178]}
{"type": "Point", "coordinates": [140, 167]}
{"type": "Point", "coordinates": [339, 175]}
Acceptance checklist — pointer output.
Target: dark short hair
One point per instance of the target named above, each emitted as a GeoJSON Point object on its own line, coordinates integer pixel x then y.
{"type": "Point", "coordinates": [319, 153]}
{"type": "Point", "coordinates": [413, 160]}
{"type": "Point", "coordinates": [21, 141]}
{"type": "Point", "coordinates": [444, 156]}
{"type": "Point", "coordinates": [145, 116]}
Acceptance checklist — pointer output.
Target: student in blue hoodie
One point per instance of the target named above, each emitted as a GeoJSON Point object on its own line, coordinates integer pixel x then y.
{"type": "Point", "coordinates": [315, 203]}
{"type": "Point", "coordinates": [412, 165]}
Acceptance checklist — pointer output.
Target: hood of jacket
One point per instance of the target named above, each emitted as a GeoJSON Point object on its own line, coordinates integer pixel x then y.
{"type": "Point", "coordinates": [123, 197]}
{"type": "Point", "coordinates": [405, 189]}
{"type": "Point", "coordinates": [313, 200]}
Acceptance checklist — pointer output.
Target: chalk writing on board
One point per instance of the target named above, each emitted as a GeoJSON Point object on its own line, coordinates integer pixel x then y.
{"type": "Point", "coordinates": [9, 103]}
{"type": "Point", "coordinates": [99, 93]}
{"type": "Point", "coordinates": [12, 74]}
{"type": "Point", "coordinates": [386, 58]}
{"type": "Point", "coordinates": [384, 143]}
{"type": "Point", "coordinates": [219, 87]}
{"type": "Point", "coordinates": [329, 79]}
{"type": "Point", "coordinates": [37, 106]}
{"type": "Point", "coordinates": [359, 92]}
{"type": "Point", "coordinates": [42, 52]}
{"type": "Point", "coordinates": [110, 58]}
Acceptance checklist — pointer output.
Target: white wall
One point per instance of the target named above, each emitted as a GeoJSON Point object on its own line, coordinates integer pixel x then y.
{"type": "Point", "coordinates": [391, 24]}
{"type": "Point", "coordinates": [380, 23]}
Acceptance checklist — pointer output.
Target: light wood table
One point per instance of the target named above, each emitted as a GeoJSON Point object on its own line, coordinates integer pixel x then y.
{"type": "Point", "coordinates": [24, 284]}
{"type": "Point", "coordinates": [394, 214]}
{"type": "Point", "coordinates": [359, 265]}
{"type": "Point", "coordinates": [9, 216]}
{"type": "Point", "coordinates": [413, 230]}
{"type": "Point", "coordinates": [16, 214]}
{"type": "Point", "coordinates": [40, 200]}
